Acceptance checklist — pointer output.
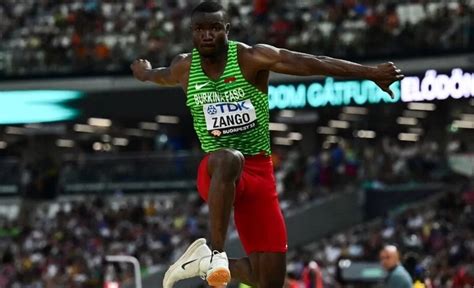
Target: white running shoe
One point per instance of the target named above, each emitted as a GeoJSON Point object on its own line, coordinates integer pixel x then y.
{"type": "Point", "coordinates": [194, 262]}
{"type": "Point", "coordinates": [218, 274]}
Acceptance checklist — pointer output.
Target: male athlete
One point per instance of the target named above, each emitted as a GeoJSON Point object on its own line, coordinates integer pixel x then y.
{"type": "Point", "coordinates": [226, 83]}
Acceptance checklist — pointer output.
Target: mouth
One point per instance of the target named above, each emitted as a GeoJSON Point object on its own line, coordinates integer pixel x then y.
{"type": "Point", "coordinates": [208, 45]}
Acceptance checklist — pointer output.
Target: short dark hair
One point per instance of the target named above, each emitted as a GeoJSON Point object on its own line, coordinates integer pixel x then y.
{"type": "Point", "coordinates": [208, 7]}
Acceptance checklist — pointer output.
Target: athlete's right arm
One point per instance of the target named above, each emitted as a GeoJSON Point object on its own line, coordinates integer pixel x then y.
{"type": "Point", "coordinates": [166, 76]}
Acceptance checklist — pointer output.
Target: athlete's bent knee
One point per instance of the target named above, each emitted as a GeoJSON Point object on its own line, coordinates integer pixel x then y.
{"type": "Point", "coordinates": [226, 164]}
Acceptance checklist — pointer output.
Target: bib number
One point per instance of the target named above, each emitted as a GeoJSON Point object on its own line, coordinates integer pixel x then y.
{"type": "Point", "coordinates": [230, 117]}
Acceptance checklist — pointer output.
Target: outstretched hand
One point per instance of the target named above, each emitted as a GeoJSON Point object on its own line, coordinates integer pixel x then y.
{"type": "Point", "coordinates": [140, 69]}
{"type": "Point", "coordinates": [385, 75]}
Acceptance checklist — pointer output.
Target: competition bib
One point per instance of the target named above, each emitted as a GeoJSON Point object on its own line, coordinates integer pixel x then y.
{"type": "Point", "coordinates": [229, 117]}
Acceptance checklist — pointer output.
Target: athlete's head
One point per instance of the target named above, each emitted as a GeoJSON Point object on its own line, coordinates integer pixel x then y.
{"type": "Point", "coordinates": [210, 28]}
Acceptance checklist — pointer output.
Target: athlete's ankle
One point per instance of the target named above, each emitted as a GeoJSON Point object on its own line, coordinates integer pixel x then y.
{"type": "Point", "coordinates": [219, 247]}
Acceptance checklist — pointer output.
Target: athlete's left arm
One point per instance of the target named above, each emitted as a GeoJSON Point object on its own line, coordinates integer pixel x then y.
{"type": "Point", "coordinates": [290, 62]}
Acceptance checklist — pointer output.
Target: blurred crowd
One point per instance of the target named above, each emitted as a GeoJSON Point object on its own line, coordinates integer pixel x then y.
{"type": "Point", "coordinates": [346, 165]}
{"type": "Point", "coordinates": [436, 240]}
{"type": "Point", "coordinates": [65, 243]}
{"type": "Point", "coordinates": [103, 36]}
{"type": "Point", "coordinates": [300, 178]}
{"type": "Point", "coordinates": [131, 167]}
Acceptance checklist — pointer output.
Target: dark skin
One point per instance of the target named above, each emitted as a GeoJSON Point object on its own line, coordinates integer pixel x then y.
{"type": "Point", "coordinates": [210, 32]}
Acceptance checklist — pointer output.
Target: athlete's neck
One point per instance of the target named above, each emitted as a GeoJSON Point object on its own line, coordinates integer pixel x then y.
{"type": "Point", "coordinates": [219, 57]}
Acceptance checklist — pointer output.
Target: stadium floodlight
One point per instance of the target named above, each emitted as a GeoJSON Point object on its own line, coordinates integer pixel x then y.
{"type": "Point", "coordinates": [65, 143]}
{"type": "Point", "coordinates": [287, 113]}
{"type": "Point", "coordinates": [326, 130]}
{"type": "Point", "coordinates": [128, 259]}
{"type": "Point", "coordinates": [277, 126]}
{"type": "Point", "coordinates": [166, 119]}
{"type": "Point", "coordinates": [338, 124]}
{"type": "Point", "coordinates": [295, 136]}
{"type": "Point", "coordinates": [421, 106]}
{"type": "Point", "coordinates": [463, 124]}
{"type": "Point", "coordinates": [84, 128]}
{"type": "Point", "coordinates": [99, 122]}
{"type": "Point", "coordinates": [355, 110]}
{"type": "Point", "coordinates": [367, 134]}
{"type": "Point", "coordinates": [407, 121]}
{"type": "Point", "coordinates": [120, 141]}
{"type": "Point", "coordinates": [149, 126]}
{"type": "Point", "coordinates": [467, 117]}
{"type": "Point", "coordinates": [282, 141]}
{"type": "Point", "coordinates": [97, 146]}
{"type": "Point", "coordinates": [410, 137]}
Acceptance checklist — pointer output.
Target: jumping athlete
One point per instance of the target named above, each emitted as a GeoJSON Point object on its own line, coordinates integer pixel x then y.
{"type": "Point", "coordinates": [226, 84]}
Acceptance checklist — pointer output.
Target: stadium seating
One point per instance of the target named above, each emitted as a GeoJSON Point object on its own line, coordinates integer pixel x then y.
{"type": "Point", "coordinates": [87, 37]}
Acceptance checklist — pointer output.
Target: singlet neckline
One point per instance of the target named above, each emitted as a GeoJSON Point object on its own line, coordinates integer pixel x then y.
{"type": "Point", "coordinates": [229, 47]}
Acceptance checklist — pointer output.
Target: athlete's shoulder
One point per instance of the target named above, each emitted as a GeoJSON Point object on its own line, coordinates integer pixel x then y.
{"type": "Point", "coordinates": [258, 54]}
{"type": "Point", "coordinates": [181, 64]}
{"type": "Point", "coordinates": [243, 48]}
{"type": "Point", "coordinates": [183, 59]}
{"type": "Point", "coordinates": [254, 49]}
{"type": "Point", "coordinates": [246, 52]}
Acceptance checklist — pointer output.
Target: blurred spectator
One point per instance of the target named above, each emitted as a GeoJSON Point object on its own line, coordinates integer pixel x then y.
{"type": "Point", "coordinates": [312, 276]}
{"type": "Point", "coordinates": [398, 276]}
{"type": "Point", "coordinates": [464, 277]}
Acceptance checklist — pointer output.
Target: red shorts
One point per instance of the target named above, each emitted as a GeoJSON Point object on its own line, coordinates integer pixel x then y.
{"type": "Point", "coordinates": [257, 213]}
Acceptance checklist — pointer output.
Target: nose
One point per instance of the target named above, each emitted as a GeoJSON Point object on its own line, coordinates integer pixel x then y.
{"type": "Point", "coordinates": [207, 35]}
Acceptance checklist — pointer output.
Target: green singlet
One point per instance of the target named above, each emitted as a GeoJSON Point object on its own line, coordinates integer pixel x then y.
{"type": "Point", "coordinates": [229, 112]}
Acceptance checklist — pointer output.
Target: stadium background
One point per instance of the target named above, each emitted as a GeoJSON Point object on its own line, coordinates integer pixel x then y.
{"type": "Point", "coordinates": [95, 163]}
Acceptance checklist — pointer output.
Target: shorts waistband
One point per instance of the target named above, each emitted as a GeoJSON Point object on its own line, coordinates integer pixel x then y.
{"type": "Point", "coordinates": [262, 155]}
{"type": "Point", "coordinates": [259, 158]}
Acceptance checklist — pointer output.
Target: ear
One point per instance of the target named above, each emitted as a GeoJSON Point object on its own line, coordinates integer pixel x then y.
{"type": "Point", "coordinates": [227, 28]}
